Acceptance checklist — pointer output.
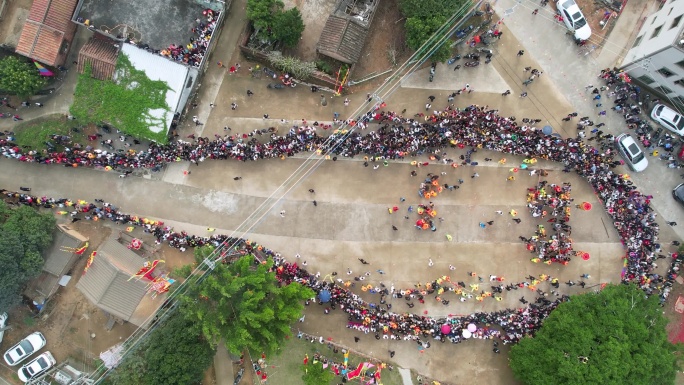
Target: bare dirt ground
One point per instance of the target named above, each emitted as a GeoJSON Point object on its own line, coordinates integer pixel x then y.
{"type": "Point", "coordinates": [74, 327]}
{"type": "Point", "coordinates": [315, 14]}
{"type": "Point", "coordinates": [386, 35]}
{"type": "Point", "coordinates": [12, 21]}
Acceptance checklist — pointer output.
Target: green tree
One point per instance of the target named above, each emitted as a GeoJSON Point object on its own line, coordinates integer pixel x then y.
{"type": "Point", "coordinates": [619, 331]}
{"type": "Point", "coordinates": [424, 18]}
{"type": "Point", "coordinates": [24, 235]}
{"type": "Point", "coordinates": [315, 374]}
{"type": "Point", "coordinates": [20, 77]}
{"type": "Point", "coordinates": [244, 304]}
{"type": "Point", "coordinates": [262, 12]}
{"type": "Point", "coordinates": [288, 27]}
{"type": "Point", "coordinates": [174, 354]}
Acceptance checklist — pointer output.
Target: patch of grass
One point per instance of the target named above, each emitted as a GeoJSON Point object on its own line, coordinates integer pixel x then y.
{"type": "Point", "coordinates": [125, 103]}
{"type": "Point", "coordinates": [36, 132]}
{"type": "Point", "coordinates": [29, 321]}
{"type": "Point", "coordinates": [285, 368]}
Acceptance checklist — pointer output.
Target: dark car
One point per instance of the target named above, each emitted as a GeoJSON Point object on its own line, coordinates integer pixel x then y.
{"type": "Point", "coordinates": [678, 193]}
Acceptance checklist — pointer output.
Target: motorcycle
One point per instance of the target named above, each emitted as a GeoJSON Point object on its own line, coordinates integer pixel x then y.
{"type": "Point", "coordinates": [453, 59]}
{"type": "Point", "coordinates": [475, 56]}
{"type": "Point", "coordinates": [461, 34]}
{"type": "Point", "coordinates": [474, 63]}
{"type": "Point", "coordinates": [277, 86]}
{"type": "Point", "coordinates": [485, 50]}
{"type": "Point", "coordinates": [270, 73]}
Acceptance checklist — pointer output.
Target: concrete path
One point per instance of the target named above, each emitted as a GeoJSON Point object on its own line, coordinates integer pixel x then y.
{"type": "Point", "coordinates": [223, 366]}
{"type": "Point", "coordinates": [406, 376]}
{"type": "Point", "coordinates": [624, 33]}
{"type": "Point", "coordinates": [546, 42]}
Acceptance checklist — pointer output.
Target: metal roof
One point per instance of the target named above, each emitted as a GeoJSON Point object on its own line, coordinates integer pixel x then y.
{"type": "Point", "coordinates": [60, 256]}
{"type": "Point", "coordinates": [108, 283]}
{"type": "Point", "coordinates": [342, 39]}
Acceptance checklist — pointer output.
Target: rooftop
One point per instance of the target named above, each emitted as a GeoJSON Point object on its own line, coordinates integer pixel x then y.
{"type": "Point", "coordinates": [46, 26]}
{"type": "Point", "coordinates": [110, 284]}
{"type": "Point", "coordinates": [101, 53]}
{"type": "Point", "coordinates": [157, 23]}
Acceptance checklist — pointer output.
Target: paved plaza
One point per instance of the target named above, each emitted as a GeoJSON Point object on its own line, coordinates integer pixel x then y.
{"type": "Point", "coordinates": [351, 219]}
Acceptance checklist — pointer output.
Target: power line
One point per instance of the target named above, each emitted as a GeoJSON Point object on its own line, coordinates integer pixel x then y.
{"type": "Point", "coordinates": [310, 164]}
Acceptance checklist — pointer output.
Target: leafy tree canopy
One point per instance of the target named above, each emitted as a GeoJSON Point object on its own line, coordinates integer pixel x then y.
{"type": "Point", "coordinates": [268, 17]}
{"type": "Point", "coordinates": [243, 304]}
{"type": "Point", "coordinates": [619, 331]}
{"type": "Point", "coordinates": [24, 235]}
{"type": "Point", "coordinates": [423, 18]}
{"type": "Point", "coordinates": [315, 374]}
{"type": "Point", "coordinates": [174, 354]}
{"type": "Point", "coordinates": [20, 76]}
{"type": "Point", "coordinates": [288, 27]}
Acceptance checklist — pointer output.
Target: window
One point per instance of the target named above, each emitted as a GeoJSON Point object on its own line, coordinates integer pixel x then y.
{"type": "Point", "coordinates": [676, 21]}
{"type": "Point", "coordinates": [638, 41]}
{"type": "Point", "coordinates": [665, 72]}
{"type": "Point", "coordinates": [653, 21]}
{"type": "Point", "coordinates": [663, 89]}
{"type": "Point", "coordinates": [656, 32]}
{"type": "Point", "coordinates": [646, 79]}
{"type": "Point", "coordinates": [679, 82]}
{"type": "Point", "coordinates": [680, 64]}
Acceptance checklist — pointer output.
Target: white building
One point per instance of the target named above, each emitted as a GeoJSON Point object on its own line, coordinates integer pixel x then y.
{"type": "Point", "coordinates": [656, 59]}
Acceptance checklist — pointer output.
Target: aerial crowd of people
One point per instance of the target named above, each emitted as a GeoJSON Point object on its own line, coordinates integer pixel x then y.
{"type": "Point", "coordinates": [393, 137]}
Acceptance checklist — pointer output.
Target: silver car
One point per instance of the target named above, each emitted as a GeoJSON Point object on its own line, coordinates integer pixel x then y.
{"type": "Point", "coordinates": [634, 157]}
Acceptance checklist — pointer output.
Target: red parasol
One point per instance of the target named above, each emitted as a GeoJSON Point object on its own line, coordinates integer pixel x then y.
{"type": "Point", "coordinates": [586, 206]}
{"type": "Point", "coordinates": [585, 256]}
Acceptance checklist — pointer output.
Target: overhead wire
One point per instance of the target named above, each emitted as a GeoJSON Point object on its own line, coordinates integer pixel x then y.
{"type": "Point", "coordinates": [435, 41]}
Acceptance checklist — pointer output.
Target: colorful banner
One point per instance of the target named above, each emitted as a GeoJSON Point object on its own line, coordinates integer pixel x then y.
{"type": "Point", "coordinates": [42, 70]}
{"type": "Point", "coordinates": [90, 261]}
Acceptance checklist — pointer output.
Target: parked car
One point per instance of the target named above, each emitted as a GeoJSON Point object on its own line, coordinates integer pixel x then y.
{"type": "Point", "coordinates": [3, 325]}
{"type": "Point", "coordinates": [668, 118]}
{"type": "Point", "coordinates": [24, 348]}
{"type": "Point", "coordinates": [36, 366]}
{"type": "Point", "coordinates": [678, 193]}
{"type": "Point", "coordinates": [574, 19]}
{"type": "Point", "coordinates": [634, 157]}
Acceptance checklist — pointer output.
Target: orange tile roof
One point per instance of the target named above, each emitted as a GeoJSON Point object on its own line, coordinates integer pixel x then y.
{"type": "Point", "coordinates": [44, 29]}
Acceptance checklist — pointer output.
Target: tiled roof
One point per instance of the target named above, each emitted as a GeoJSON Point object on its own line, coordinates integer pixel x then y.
{"type": "Point", "coordinates": [60, 257]}
{"type": "Point", "coordinates": [342, 39]}
{"type": "Point", "coordinates": [108, 283]}
{"type": "Point", "coordinates": [53, 13]}
{"type": "Point", "coordinates": [45, 28]}
{"type": "Point", "coordinates": [101, 54]}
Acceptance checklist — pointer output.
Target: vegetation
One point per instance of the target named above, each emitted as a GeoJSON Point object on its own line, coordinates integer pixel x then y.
{"type": "Point", "coordinates": [174, 354]}
{"type": "Point", "coordinates": [616, 336]}
{"type": "Point", "coordinates": [124, 103]}
{"type": "Point", "coordinates": [24, 235]}
{"type": "Point", "coordinates": [425, 17]}
{"type": "Point", "coordinates": [315, 374]}
{"type": "Point", "coordinates": [273, 23]}
{"type": "Point", "coordinates": [298, 68]}
{"type": "Point", "coordinates": [20, 77]}
{"type": "Point", "coordinates": [36, 132]}
{"type": "Point", "coordinates": [243, 305]}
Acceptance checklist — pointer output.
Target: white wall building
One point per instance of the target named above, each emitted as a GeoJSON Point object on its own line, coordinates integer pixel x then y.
{"type": "Point", "coordinates": [656, 58]}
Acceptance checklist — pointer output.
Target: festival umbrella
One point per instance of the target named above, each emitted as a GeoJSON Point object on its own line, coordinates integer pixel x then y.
{"type": "Point", "coordinates": [466, 333]}
{"type": "Point", "coordinates": [446, 329]}
{"type": "Point", "coordinates": [324, 296]}
{"type": "Point", "coordinates": [547, 130]}
{"type": "Point", "coordinates": [586, 206]}
{"type": "Point", "coordinates": [42, 70]}
{"type": "Point", "coordinates": [585, 256]}
{"type": "Point", "coordinates": [472, 328]}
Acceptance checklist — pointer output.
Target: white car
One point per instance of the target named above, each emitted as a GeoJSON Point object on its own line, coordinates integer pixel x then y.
{"type": "Point", "coordinates": [636, 159]}
{"type": "Point", "coordinates": [24, 348]}
{"type": "Point", "coordinates": [668, 118]}
{"type": "Point", "coordinates": [37, 366]}
{"type": "Point", "coordinates": [3, 325]}
{"type": "Point", "coordinates": [574, 19]}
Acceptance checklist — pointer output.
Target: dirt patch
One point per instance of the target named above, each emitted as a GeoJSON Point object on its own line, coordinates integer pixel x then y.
{"type": "Point", "coordinates": [387, 34]}
{"type": "Point", "coordinates": [315, 14]}
{"type": "Point", "coordinates": [73, 327]}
